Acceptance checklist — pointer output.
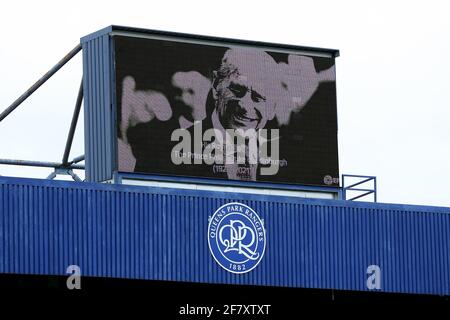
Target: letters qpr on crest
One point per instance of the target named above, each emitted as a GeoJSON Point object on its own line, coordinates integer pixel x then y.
{"type": "Point", "coordinates": [236, 237]}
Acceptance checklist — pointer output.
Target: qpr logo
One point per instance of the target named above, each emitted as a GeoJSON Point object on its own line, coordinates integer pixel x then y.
{"type": "Point", "coordinates": [236, 237]}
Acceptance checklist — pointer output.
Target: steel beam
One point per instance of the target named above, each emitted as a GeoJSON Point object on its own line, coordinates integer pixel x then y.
{"type": "Point", "coordinates": [44, 164]}
{"type": "Point", "coordinates": [73, 125]}
{"type": "Point", "coordinates": [40, 82]}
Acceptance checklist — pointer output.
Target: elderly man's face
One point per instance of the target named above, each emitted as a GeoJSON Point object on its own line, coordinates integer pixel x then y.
{"type": "Point", "coordinates": [242, 102]}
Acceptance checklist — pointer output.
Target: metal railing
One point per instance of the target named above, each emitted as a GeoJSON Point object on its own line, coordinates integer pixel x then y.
{"type": "Point", "coordinates": [360, 187]}
{"type": "Point", "coordinates": [60, 168]}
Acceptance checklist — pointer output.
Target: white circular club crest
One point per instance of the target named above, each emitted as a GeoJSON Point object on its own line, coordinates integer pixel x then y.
{"type": "Point", "coordinates": [236, 237]}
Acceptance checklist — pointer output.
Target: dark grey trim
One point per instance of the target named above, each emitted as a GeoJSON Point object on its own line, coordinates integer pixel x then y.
{"type": "Point", "coordinates": [185, 37]}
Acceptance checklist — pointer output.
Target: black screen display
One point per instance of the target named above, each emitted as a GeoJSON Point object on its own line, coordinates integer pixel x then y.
{"type": "Point", "coordinates": [182, 107]}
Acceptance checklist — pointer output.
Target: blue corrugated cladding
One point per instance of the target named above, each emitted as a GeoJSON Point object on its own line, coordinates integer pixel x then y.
{"type": "Point", "coordinates": [98, 107]}
{"type": "Point", "coordinates": [155, 233]}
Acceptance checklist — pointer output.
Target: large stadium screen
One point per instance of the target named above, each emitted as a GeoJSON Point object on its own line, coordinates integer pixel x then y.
{"type": "Point", "coordinates": [225, 111]}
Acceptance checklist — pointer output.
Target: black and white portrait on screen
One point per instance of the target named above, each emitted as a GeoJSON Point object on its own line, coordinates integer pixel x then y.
{"type": "Point", "coordinates": [179, 104]}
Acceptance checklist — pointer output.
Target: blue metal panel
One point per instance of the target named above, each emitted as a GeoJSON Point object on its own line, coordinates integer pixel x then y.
{"type": "Point", "coordinates": [158, 233]}
{"type": "Point", "coordinates": [98, 114]}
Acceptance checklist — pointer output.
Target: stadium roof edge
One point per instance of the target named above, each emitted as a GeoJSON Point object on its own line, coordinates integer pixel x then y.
{"type": "Point", "coordinates": [144, 189]}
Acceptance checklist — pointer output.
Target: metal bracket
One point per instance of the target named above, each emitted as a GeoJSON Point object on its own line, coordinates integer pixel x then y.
{"type": "Point", "coordinates": [63, 171]}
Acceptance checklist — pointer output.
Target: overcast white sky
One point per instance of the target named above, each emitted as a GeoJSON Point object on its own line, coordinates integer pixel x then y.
{"type": "Point", "coordinates": [393, 76]}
